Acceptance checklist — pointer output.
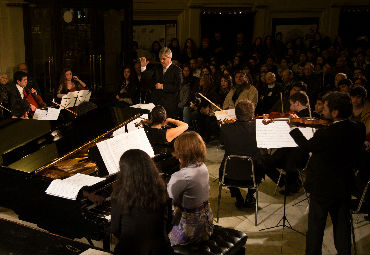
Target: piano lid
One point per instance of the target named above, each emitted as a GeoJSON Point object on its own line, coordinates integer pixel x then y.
{"type": "Point", "coordinates": [43, 143]}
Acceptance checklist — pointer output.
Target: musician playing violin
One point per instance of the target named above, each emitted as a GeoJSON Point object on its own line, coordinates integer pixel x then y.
{"type": "Point", "coordinates": [240, 138]}
{"type": "Point", "coordinates": [335, 151]}
{"type": "Point", "coordinates": [69, 83]}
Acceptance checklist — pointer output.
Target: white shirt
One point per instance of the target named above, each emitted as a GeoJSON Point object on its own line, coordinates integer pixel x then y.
{"type": "Point", "coordinates": [20, 89]}
{"type": "Point", "coordinates": [143, 68]}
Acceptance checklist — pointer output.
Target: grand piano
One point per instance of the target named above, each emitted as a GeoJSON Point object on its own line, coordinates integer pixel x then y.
{"type": "Point", "coordinates": [33, 153]}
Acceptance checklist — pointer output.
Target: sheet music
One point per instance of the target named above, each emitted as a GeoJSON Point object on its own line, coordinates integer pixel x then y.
{"type": "Point", "coordinates": [112, 149]}
{"type": "Point", "coordinates": [53, 113]}
{"type": "Point", "coordinates": [49, 114]}
{"type": "Point", "coordinates": [69, 187]}
{"type": "Point", "coordinates": [69, 100]}
{"type": "Point", "coordinates": [149, 106]}
{"type": "Point", "coordinates": [40, 114]}
{"type": "Point", "coordinates": [276, 134]}
{"type": "Point", "coordinates": [220, 115]}
{"type": "Point", "coordinates": [83, 96]}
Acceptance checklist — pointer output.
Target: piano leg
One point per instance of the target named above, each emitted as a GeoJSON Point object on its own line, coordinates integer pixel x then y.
{"type": "Point", "coordinates": [106, 241]}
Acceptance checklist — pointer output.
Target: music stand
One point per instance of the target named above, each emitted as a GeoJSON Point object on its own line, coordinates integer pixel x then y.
{"type": "Point", "coordinates": [284, 218]}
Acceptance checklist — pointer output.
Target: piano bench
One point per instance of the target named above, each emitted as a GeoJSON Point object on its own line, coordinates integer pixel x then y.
{"type": "Point", "coordinates": [224, 241]}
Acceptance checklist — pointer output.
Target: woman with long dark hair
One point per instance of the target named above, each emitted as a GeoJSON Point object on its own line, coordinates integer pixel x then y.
{"type": "Point", "coordinates": [128, 91]}
{"type": "Point", "coordinates": [141, 215]}
{"type": "Point", "coordinates": [69, 83]}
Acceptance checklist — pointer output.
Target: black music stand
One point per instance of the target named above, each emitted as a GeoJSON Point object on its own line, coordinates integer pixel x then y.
{"type": "Point", "coordinates": [284, 218]}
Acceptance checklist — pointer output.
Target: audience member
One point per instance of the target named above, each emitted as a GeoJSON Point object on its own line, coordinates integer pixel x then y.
{"type": "Point", "coordinates": [189, 190]}
{"type": "Point", "coordinates": [242, 90]}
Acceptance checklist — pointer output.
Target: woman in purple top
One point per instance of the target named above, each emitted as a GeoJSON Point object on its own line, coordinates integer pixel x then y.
{"type": "Point", "coordinates": [189, 190]}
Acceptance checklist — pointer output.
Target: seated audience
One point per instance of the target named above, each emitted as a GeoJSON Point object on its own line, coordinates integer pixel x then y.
{"type": "Point", "coordinates": [189, 189]}
{"type": "Point", "coordinates": [141, 212]}
{"type": "Point", "coordinates": [361, 108]}
{"type": "Point", "coordinates": [230, 136]}
{"type": "Point", "coordinates": [242, 90]}
{"type": "Point", "coordinates": [128, 92]}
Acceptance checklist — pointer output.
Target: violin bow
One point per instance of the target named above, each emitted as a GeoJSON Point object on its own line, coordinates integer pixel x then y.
{"type": "Point", "coordinates": [309, 105]}
{"type": "Point", "coordinates": [75, 114]}
{"type": "Point", "coordinates": [215, 105]}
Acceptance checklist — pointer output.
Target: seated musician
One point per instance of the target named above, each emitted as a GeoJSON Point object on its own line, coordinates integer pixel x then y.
{"type": "Point", "coordinates": [69, 83]}
{"type": "Point", "coordinates": [231, 135]}
{"type": "Point", "coordinates": [18, 90]}
{"type": "Point", "coordinates": [141, 212]}
{"type": "Point", "coordinates": [291, 159]}
{"type": "Point", "coordinates": [161, 136]}
{"type": "Point", "coordinates": [189, 190]}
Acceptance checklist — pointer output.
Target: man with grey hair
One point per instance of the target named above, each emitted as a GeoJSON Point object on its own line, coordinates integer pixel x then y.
{"type": "Point", "coordinates": [167, 79]}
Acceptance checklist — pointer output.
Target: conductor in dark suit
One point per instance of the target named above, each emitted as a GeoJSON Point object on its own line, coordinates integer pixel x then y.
{"type": "Point", "coordinates": [335, 150]}
{"type": "Point", "coordinates": [239, 138]}
{"type": "Point", "coordinates": [167, 79]}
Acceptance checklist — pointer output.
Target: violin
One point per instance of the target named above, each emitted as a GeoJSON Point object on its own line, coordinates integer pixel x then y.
{"type": "Point", "coordinates": [292, 121]}
{"type": "Point", "coordinates": [226, 121]}
{"type": "Point", "coordinates": [306, 122]}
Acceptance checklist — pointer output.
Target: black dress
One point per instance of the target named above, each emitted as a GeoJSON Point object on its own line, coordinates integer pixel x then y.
{"type": "Point", "coordinates": [164, 159]}
{"type": "Point", "coordinates": [141, 232]}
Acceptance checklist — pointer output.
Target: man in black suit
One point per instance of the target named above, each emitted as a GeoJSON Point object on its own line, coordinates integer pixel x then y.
{"type": "Point", "coordinates": [239, 138]}
{"type": "Point", "coordinates": [167, 79]}
{"type": "Point", "coordinates": [335, 150]}
{"type": "Point", "coordinates": [16, 90]}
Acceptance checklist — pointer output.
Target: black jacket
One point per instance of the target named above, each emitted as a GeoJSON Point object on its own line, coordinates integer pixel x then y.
{"type": "Point", "coordinates": [335, 151]}
{"type": "Point", "coordinates": [168, 96]}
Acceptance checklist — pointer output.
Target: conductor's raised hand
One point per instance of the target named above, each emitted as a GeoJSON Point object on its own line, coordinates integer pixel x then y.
{"type": "Point", "coordinates": [143, 61]}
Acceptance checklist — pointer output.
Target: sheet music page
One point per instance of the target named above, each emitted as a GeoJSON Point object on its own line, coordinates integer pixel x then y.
{"type": "Point", "coordinates": [149, 106]}
{"type": "Point", "coordinates": [69, 99]}
{"type": "Point", "coordinates": [83, 96]}
{"type": "Point", "coordinates": [220, 115]}
{"type": "Point", "coordinates": [53, 113]}
{"type": "Point", "coordinates": [91, 251]}
{"type": "Point", "coordinates": [276, 134]}
{"type": "Point", "coordinates": [40, 114]}
{"type": "Point", "coordinates": [69, 187]}
{"type": "Point", "coordinates": [112, 149]}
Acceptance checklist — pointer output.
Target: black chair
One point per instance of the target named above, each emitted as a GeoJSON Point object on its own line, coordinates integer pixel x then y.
{"type": "Point", "coordinates": [238, 172]}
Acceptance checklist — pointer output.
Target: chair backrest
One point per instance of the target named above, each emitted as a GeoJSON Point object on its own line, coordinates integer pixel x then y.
{"type": "Point", "coordinates": [239, 169]}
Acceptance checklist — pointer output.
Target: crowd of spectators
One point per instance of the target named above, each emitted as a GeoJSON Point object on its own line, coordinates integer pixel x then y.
{"type": "Point", "coordinates": [270, 65]}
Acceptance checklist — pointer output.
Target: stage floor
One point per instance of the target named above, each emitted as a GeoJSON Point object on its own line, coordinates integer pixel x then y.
{"type": "Point", "coordinates": [274, 241]}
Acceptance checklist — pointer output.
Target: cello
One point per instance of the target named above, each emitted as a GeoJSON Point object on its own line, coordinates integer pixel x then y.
{"type": "Point", "coordinates": [33, 98]}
